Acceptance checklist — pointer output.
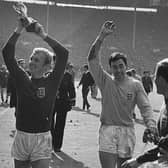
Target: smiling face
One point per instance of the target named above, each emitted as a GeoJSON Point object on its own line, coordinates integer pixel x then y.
{"type": "Point", "coordinates": [37, 66]}
{"type": "Point", "coordinates": [118, 69]}
{"type": "Point", "coordinates": [40, 62]}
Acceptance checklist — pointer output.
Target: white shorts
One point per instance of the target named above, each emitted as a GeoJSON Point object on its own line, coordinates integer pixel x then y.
{"type": "Point", "coordinates": [117, 140]}
{"type": "Point", "coordinates": [31, 146]}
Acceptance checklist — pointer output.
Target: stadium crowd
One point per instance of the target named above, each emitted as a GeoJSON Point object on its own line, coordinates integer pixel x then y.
{"type": "Point", "coordinates": [42, 91]}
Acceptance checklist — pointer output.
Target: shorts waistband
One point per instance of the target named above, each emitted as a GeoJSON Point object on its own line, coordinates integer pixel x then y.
{"type": "Point", "coordinates": [27, 133]}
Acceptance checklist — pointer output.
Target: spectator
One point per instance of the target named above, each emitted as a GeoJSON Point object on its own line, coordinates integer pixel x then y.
{"type": "Point", "coordinates": [132, 72]}
{"type": "Point", "coordinates": [71, 70]}
{"type": "Point", "coordinates": [86, 82]}
{"type": "Point", "coordinates": [129, 73]}
{"type": "Point", "coordinates": [135, 75]}
{"type": "Point", "coordinates": [120, 94]}
{"type": "Point", "coordinates": [160, 152]}
{"type": "Point", "coordinates": [3, 84]}
{"type": "Point", "coordinates": [64, 101]}
{"type": "Point", "coordinates": [147, 82]}
{"type": "Point", "coordinates": [94, 90]}
{"type": "Point", "coordinates": [35, 96]}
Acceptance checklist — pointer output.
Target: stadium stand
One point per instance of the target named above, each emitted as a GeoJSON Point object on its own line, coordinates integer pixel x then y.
{"type": "Point", "coordinates": [78, 27]}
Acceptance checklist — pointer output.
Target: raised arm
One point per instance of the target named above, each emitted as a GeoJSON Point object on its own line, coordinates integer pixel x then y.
{"type": "Point", "coordinates": [8, 50]}
{"type": "Point", "coordinates": [96, 69]}
{"type": "Point", "coordinates": [107, 29]}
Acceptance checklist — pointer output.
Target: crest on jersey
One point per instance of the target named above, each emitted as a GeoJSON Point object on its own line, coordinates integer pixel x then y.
{"type": "Point", "coordinates": [41, 92]}
{"type": "Point", "coordinates": [129, 96]}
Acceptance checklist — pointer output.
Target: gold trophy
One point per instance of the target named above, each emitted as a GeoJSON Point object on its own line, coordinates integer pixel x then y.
{"type": "Point", "coordinates": [28, 22]}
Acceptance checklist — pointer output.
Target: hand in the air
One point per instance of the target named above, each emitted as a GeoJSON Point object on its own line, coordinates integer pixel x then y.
{"type": "Point", "coordinates": [20, 8]}
{"type": "Point", "coordinates": [108, 28]}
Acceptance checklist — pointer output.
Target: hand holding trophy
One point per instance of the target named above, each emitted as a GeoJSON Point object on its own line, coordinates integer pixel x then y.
{"type": "Point", "coordinates": [108, 27]}
{"type": "Point", "coordinates": [27, 22]}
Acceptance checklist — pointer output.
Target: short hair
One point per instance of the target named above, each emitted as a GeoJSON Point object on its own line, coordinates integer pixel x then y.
{"type": "Point", "coordinates": [20, 61]}
{"type": "Point", "coordinates": [69, 65]}
{"type": "Point", "coordinates": [48, 55]}
{"type": "Point", "coordinates": [115, 56]}
{"type": "Point", "coordinates": [133, 71]}
{"type": "Point", "coordinates": [162, 69]}
{"type": "Point", "coordinates": [86, 66]}
{"type": "Point", "coordinates": [145, 72]}
{"type": "Point", "coordinates": [128, 72]}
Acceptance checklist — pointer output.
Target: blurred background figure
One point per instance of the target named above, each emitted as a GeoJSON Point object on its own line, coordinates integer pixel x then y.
{"type": "Point", "coordinates": [3, 84]}
{"type": "Point", "coordinates": [86, 81]}
{"type": "Point", "coordinates": [129, 73]}
{"type": "Point", "coordinates": [65, 99]}
{"type": "Point", "coordinates": [147, 82]}
{"type": "Point", "coordinates": [94, 90]}
{"type": "Point", "coordinates": [70, 69]}
{"type": "Point", "coordinates": [135, 75]}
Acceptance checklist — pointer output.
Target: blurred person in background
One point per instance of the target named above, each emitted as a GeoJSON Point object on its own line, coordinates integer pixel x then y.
{"type": "Point", "coordinates": [65, 100]}
{"type": "Point", "coordinates": [135, 75]}
{"type": "Point", "coordinates": [71, 70]}
{"type": "Point", "coordinates": [94, 90]}
{"type": "Point", "coordinates": [3, 84]}
{"type": "Point", "coordinates": [86, 81]}
{"type": "Point", "coordinates": [147, 82]}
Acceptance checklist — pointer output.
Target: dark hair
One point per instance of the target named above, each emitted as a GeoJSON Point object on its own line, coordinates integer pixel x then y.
{"type": "Point", "coordinates": [69, 65]}
{"type": "Point", "coordinates": [162, 69]}
{"type": "Point", "coordinates": [128, 72]}
{"type": "Point", "coordinates": [115, 56]}
{"type": "Point", "coordinates": [19, 61]}
{"type": "Point", "coordinates": [86, 66]}
{"type": "Point", "coordinates": [133, 70]}
{"type": "Point", "coordinates": [146, 72]}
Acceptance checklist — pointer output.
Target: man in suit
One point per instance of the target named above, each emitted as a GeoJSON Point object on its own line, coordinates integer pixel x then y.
{"type": "Point", "coordinates": [86, 81]}
{"type": "Point", "coordinates": [64, 101]}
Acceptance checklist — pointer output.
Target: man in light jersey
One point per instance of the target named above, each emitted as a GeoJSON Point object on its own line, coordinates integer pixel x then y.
{"type": "Point", "coordinates": [120, 93]}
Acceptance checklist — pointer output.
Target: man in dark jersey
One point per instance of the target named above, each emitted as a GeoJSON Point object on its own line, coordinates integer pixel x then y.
{"type": "Point", "coordinates": [35, 97]}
